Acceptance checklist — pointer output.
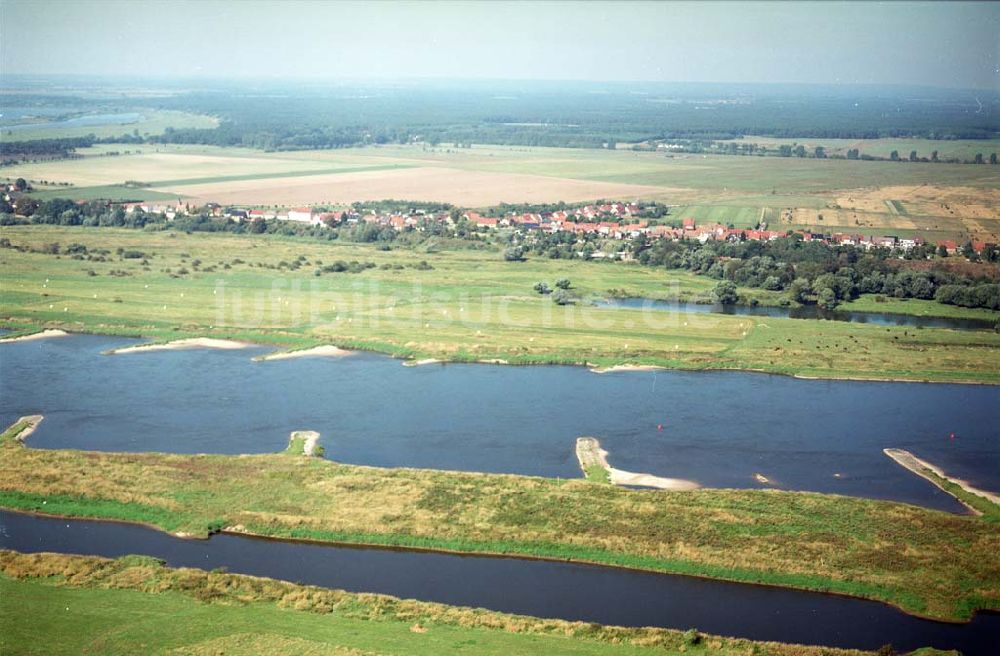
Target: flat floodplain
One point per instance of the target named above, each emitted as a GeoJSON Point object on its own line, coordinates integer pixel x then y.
{"type": "Point", "coordinates": [462, 306]}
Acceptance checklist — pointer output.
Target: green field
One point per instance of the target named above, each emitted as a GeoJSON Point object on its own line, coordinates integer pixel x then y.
{"type": "Point", "coordinates": [892, 552]}
{"type": "Point", "coordinates": [135, 605]}
{"type": "Point", "coordinates": [467, 306]}
{"type": "Point", "coordinates": [738, 216]}
{"type": "Point", "coordinates": [153, 122]}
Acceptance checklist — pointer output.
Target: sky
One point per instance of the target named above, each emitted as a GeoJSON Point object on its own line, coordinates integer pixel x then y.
{"type": "Point", "coordinates": [914, 43]}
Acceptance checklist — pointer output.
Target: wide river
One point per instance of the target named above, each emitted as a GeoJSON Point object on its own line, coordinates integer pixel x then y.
{"type": "Point", "coordinates": [542, 589]}
{"type": "Point", "coordinates": [717, 428]}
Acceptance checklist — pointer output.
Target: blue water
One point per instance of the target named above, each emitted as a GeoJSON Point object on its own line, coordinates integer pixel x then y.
{"type": "Point", "coordinates": [718, 428]}
{"type": "Point", "coordinates": [537, 588]}
{"type": "Point", "coordinates": [88, 120]}
{"type": "Point", "coordinates": [804, 312]}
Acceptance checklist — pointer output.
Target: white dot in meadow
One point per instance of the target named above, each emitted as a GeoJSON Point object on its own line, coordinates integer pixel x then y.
{"type": "Point", "coordinates": [95, 295]}
{"type": "Point", "coordinates": [65, 309]}
{"type": "Point", "coordinates": [182, 294]}
{"type": "Point", "coordinates": [51, 306]}
{"type": "Point", "coordinates": [147, 287]}
{"type": "Point", "coordinates": [164, 307]}
{"type": "Point", "coordinates": [427, 325]}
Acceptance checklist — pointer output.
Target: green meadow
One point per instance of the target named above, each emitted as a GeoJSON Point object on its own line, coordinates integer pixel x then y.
{"type": "Point", "coordinates": [924, 561]}
{"type": "Point", "coordinates": [459, 305]}
{"type": "Point", "coordinates": [135, 605]}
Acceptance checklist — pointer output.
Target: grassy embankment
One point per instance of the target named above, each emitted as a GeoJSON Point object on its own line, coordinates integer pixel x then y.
{"type": "Point", "coordinates": [923, 561]}
{"type": "Point", "coordinates": [135, 605]}
{"type": "Point", "coordinates": [470, 306]}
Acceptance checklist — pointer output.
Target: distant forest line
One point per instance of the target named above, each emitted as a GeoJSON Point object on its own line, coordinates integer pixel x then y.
{"type": "Point", "coordinates": [532, 114]}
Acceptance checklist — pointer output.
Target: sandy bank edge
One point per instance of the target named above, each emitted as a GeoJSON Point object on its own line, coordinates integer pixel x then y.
{"type": "Point", "coordinates": [421, 363]}
{"type": "Point", "coordinates": [181, 344]}
{"type": "Point", "coordinates": [589, 453]}
{"type": "Point", "coordinates": [311, 438]}
{"type": "Point", "coordinates": [33, 421]}
{"type": "Point", "coordinates": [916, 465]}
{"type": "Point", "coordinates": [324, 351]}
{"type": "Point", "coordinates": [45, 334]}
{"type": "Point", "coordinates": [626, 367]}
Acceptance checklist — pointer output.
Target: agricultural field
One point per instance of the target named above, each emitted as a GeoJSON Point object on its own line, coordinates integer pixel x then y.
{"type": "Point", "coordinates": [936, 201]}
{"type": "Point", "coordinates": [458, 305]}
{"type": "Point", "coordinates": [151, 122]}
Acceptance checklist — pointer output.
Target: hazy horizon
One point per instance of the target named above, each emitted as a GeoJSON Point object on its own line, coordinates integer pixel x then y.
{"type": "Point", "coordinates": [944, 45]}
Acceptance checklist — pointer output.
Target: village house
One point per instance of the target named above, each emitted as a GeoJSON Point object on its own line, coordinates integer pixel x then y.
{"type": "Point", "coordinates": [302, 214]}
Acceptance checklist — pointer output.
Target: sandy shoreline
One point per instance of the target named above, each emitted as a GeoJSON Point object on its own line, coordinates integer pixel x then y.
{"type": "Point", "coordinates": [310, 439]}
{"type": "Point", "coordinates": [180, 344]}
{"type": "Point", "coordinates": [45, 334]}
{"type": "Point", "coordinates": [33, 421]}
{"type": "Point", "coordinates": [325, 351]}
{"type": "Point", "coordinates": [626, 367]}
{"type": "Point", "coordinates": [420, 363]}
{"type": "Point", "coordinates": [590, 454]}
{"type": "Point", "coordinates": [917, 465]}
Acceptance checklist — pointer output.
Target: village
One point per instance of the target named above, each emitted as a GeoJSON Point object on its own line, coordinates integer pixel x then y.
{"type": "Point", "coordinates": [613, 221]}
{"type": "Point", "coordinates": [607, 220]}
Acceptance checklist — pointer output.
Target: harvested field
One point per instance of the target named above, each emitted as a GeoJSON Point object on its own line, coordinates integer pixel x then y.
{"type": "Point", "coordinates": [460, 187]}
{"type": "Point", "coordinates": [156, 166]}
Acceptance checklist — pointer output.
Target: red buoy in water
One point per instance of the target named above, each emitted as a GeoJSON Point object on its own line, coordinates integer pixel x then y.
{"type": "Point", "coordinates": [659, 427]}
{"type": "Point", "coordinates": [951, 436]}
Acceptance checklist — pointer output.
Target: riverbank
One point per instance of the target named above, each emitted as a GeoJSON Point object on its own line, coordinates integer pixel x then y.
{"type": "Point", "coordinates": [20, 430]}
{"type": "Point", "coordinates": [980, 502]}
{"type": "Point", "coordinates": [594, 463]}
{"type": "Point", "coordinates": [241, 614]}
{"type": "Point", "coordinates": [481, 309]}
{"type": "Point", "coordinates": [33, 336]}
{"type": "Point", "coordinates": [304, 443]}
{"type": "Point", "coordinates": [738, 535]}
{"type": "Point", "coordinates": [183, 344]}
{"type": "Point", "coordinates": [325, 351]}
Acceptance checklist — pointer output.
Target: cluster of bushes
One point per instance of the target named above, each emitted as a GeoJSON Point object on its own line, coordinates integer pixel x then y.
{"type": "Point", "coordinates": [340, 266]}
{"type": "Point", "coordinates": [560, 295]}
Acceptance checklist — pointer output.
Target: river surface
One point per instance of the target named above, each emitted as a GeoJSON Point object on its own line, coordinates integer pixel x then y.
{"type": "Point", "coordinates": [87, 120]}
{"type": "Point", "coordinates": [717, 428]}
{"type": "Point", "coordinates": [538, 588]}
{"type": "Point", "coordinates": [804, 312]}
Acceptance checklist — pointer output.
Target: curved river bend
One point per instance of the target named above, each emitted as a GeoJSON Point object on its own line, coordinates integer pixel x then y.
{"type": "Point", "coordinates": [528, 587]}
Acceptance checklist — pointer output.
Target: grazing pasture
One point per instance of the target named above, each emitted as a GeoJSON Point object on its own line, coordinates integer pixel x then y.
{"type": "Point", "coordinates": [463, 305]}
